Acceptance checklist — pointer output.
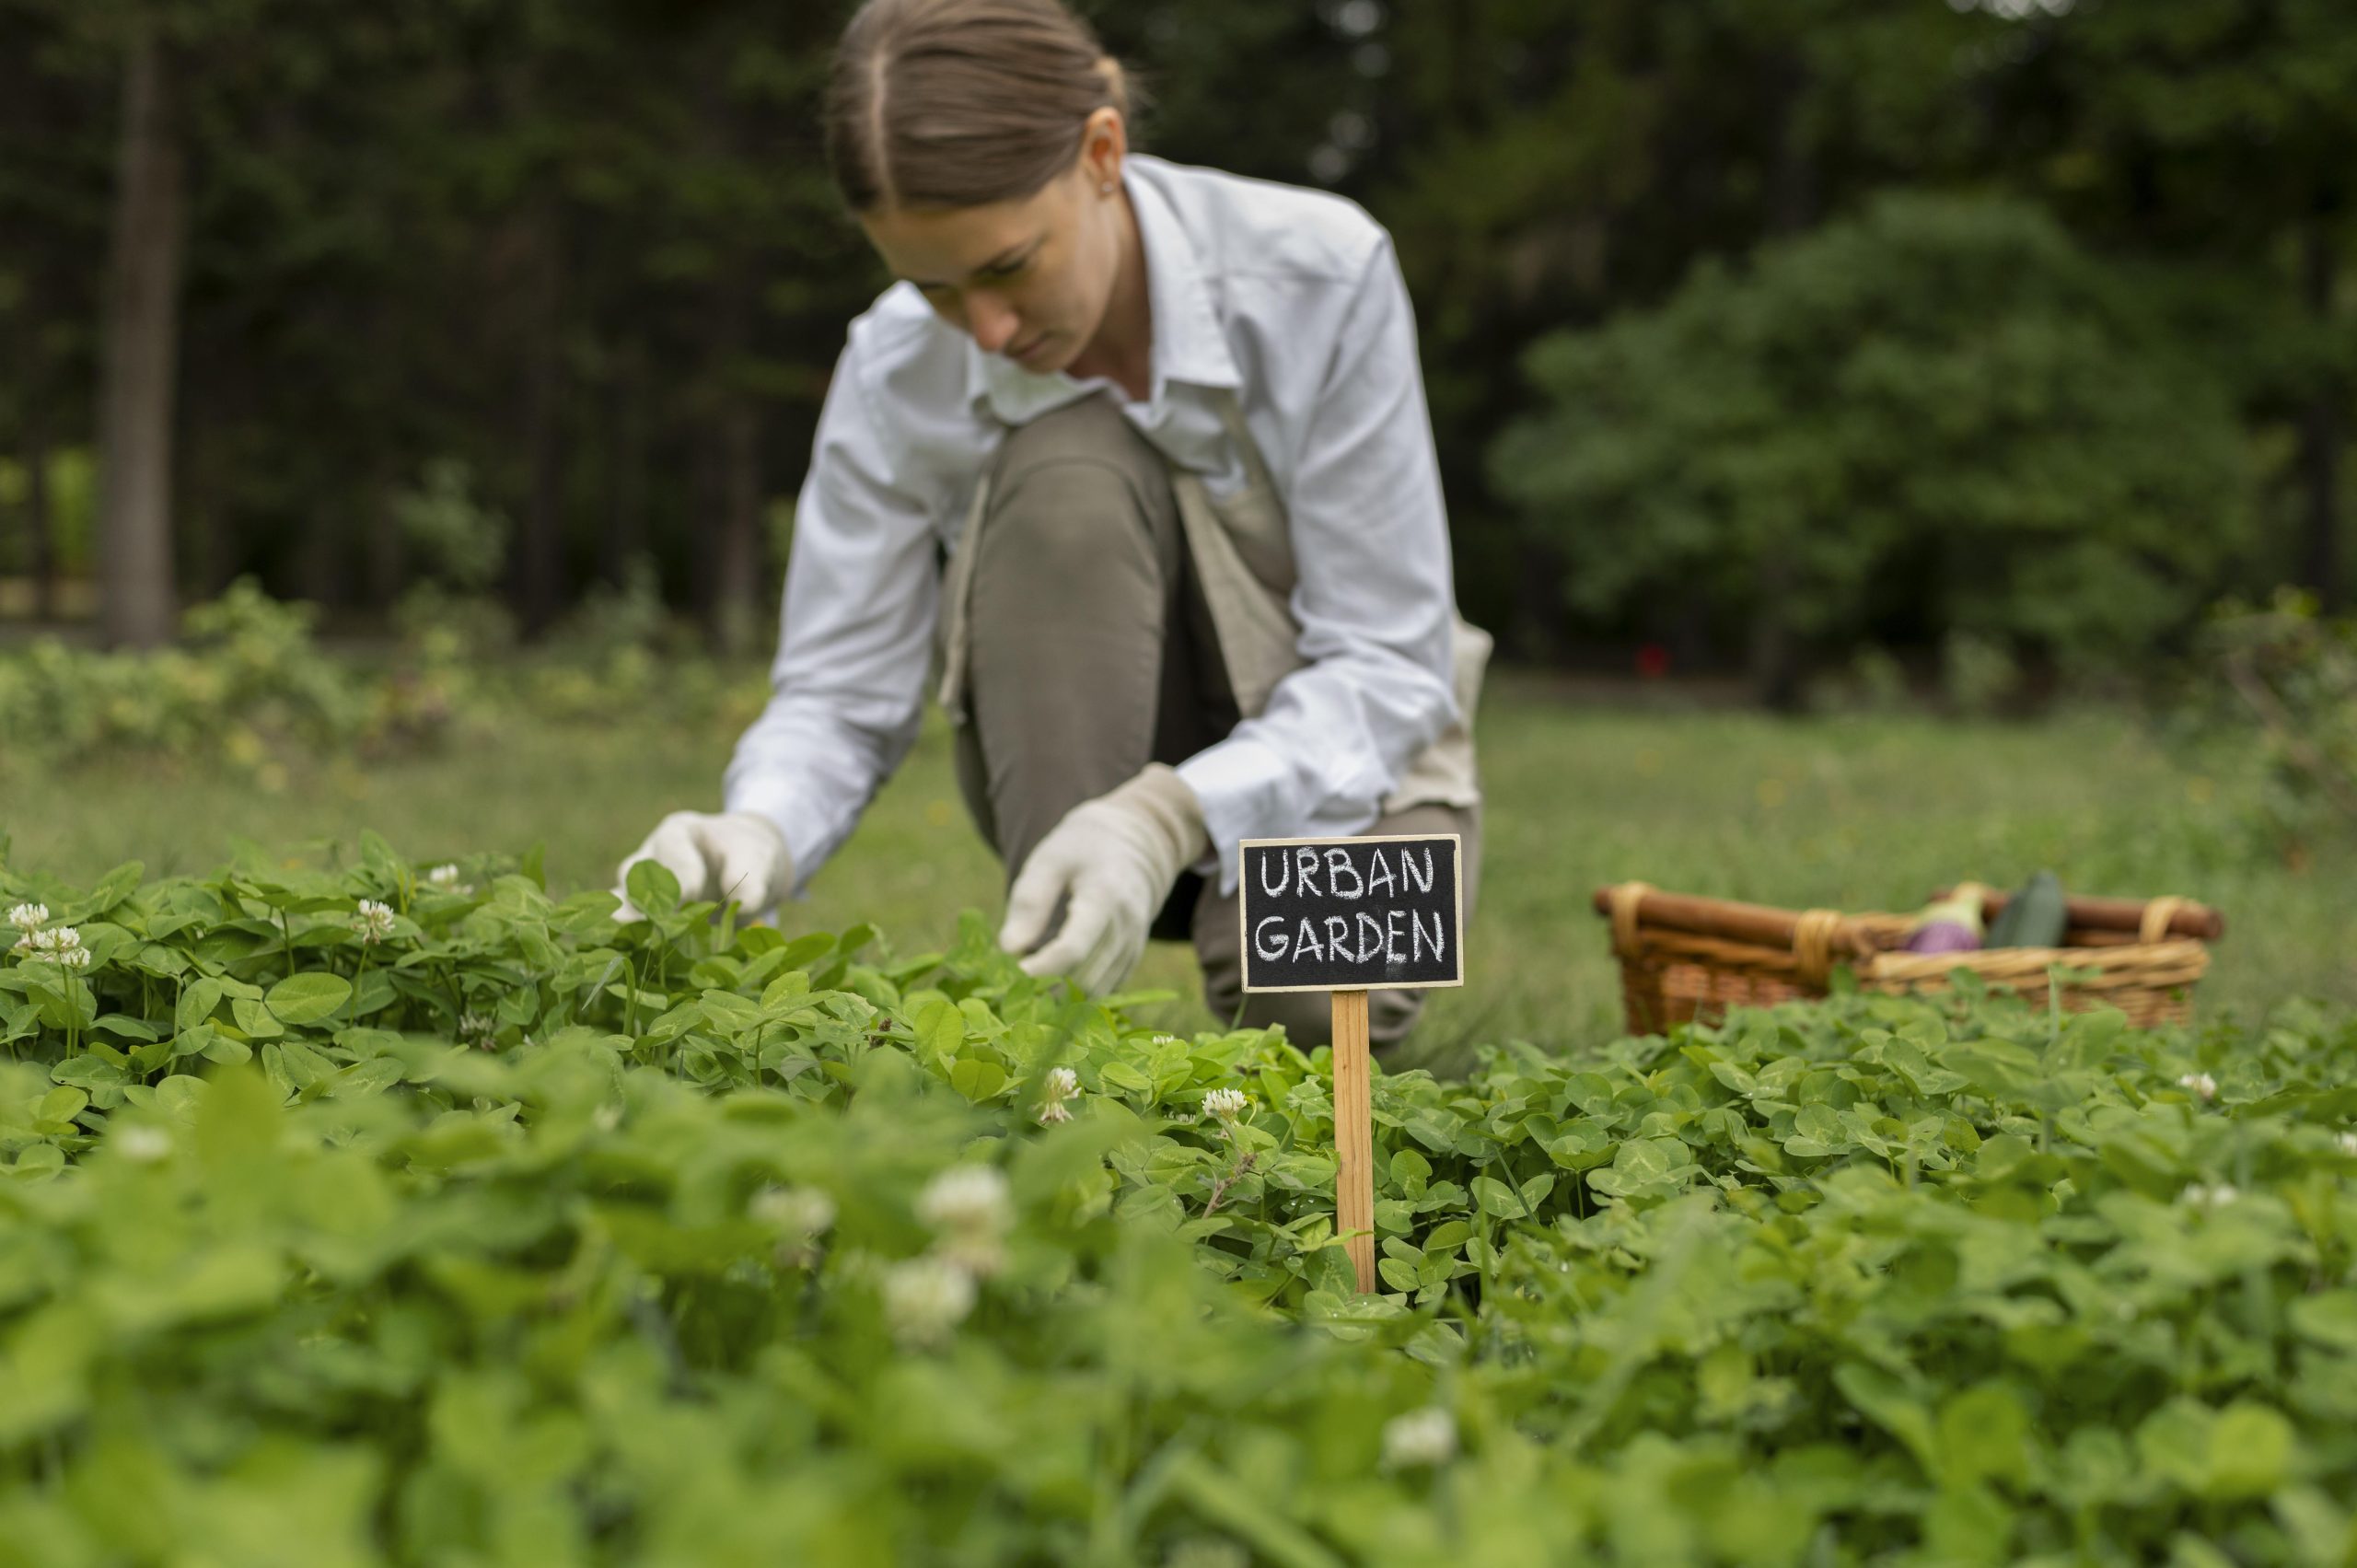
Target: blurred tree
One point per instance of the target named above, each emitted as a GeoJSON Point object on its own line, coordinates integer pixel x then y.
{"type": "Point", "coordinates": [2225, 132]}
{"type": "Point", "coordinates": [142, 336]}
{"type": "Point", "coordinates": [1546, 162]}
{"type": "Point", "coordinates": [1942, 398]}
{"type": "Point", "coordinates": [585, 251]}
{"type": "Point", "coordinates": [52, 185]}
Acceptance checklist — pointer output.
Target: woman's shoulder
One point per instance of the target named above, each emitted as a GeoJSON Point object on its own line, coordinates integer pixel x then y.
{"type": "Point", "coordinates": [1242, 225]}
{"type": "Point", "coordinates": [899, 338]}
{"type": "Point", "coordinates": [900, 356]}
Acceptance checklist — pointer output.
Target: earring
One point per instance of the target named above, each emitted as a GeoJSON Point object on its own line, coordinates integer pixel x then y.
{"type": "Point", "coordinates": [1106, 187]}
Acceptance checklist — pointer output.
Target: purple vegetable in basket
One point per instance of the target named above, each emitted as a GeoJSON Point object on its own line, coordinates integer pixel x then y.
{"type": "Point", "coordinates": [1951, 925]}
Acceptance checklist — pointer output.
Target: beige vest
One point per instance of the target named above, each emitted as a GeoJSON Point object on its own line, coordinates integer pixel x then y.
{"type": "Point", "coordinates": [1242, 552]}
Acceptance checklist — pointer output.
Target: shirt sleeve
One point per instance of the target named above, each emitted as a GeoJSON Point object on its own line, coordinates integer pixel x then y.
{"type": "Point", "coordinates": [1373, 599]}
{"type": "Point", "coordinates": [863, 586]}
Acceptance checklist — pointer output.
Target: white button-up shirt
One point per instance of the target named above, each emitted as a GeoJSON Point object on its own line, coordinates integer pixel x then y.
{"type": "Point", "coordinates": [1292, 300]}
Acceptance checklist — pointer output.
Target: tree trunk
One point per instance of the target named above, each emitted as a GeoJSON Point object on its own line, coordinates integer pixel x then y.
{"type": "Point", "coordinates": [142, 342]}
{"type": "Point", "coordinates": [739, 610]}
{"type": "Point", "coordinates": [1791, 176]}
{"type": "Point", "coordinates": [540, 543]}
{"type": "Point", "coordinates": [1775, 654]}
{"type": "Point", "coordinates": [2320, 420]}
{"type": "Point", "coordinates": [626, 539]}
{"type": "Point", "coordinates": [386, 558]}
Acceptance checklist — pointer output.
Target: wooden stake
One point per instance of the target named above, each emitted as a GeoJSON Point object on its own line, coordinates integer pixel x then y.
{"type": "Point", "coordinates": [1355, 1135]}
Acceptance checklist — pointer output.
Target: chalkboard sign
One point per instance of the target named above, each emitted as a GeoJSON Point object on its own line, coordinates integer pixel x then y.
{"type": "Point", "coordinates": [1351, 915]}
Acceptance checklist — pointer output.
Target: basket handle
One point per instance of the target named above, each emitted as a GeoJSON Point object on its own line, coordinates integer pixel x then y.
{"type": "Point", "coordinates": [1630, 904]}
{"type": "Point", "coordinates": [1813, 936]}
{"type": "Point", "coordinates": [2154, 924]}
{"type": "Point", "coordinates": [1624, 897]}
{"type": "Point", "coordinates": [2150, 920]}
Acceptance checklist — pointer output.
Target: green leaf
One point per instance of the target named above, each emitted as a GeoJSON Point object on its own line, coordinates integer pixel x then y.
{"type": "Point", "coordinates": [305, 1066]}
{"type": "Point", "coordinates": [1885, 1401]}
{"type": "Point", "coordinates": [308, 998]}
{"type": "Point", "coordinates": [2251, 1452]}
{"type": "Point", "coordinates": [61, 1104]}
{"type": "Point", "coordinates": [1123, 1077]}
{"type": "Point", "coordinates": [1984, 1436]}
{"type": "Point", "coordinates": [940, 1031]}
{"type": "Point", "coordinates": [38, 1162]}
{"type": "Point", "coordinates": [728, 1013]}
{"type": "Point", "coordinates": [1496, 1198]}
{"type": "Point", "coordinates": [653, 889]}
{"type": "Point", "coordinates": [2329, 1317]}
{"type": "Point", "coordinates": [977, 1080]}
{"type": "Point", "coordinates": [1447, 1236]}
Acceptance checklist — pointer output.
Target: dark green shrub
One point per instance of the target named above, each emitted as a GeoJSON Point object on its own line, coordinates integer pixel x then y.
{"type": "Point", "coordinates": [1940, 415]}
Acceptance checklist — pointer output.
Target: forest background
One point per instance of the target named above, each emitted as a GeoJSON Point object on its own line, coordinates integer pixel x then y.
{"type": "Point", "coordinates": [1759, 336]}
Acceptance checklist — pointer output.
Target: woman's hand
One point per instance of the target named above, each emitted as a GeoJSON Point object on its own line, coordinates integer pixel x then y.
{"type": "Point", "coordinates": [732, 854]}
{"type": "Point", "coordinates": [1115, 858]}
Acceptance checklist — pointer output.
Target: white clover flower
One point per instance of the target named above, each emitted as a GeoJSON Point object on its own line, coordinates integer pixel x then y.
{"type": "Point", "coordinates": [1227, 1104]}
{"type": "Point", "coordinates": [144, 1144]}
{"type": "Point", "coordinates": [924, 1298]}
{"type": "Point", "coordinates": [977, 1254]}
{"type": "Point", "coordinates": [1427, 1436]}
{"type": "Point", "coordinates": [967, 1198]}
{"type": "Point", "coordinates": [2200, 1197]}
{"type": "Point", "coordinates": [800, 1212]}
{"type": "Point", "coordinates": [966, 1206]}
{"type": "Point", "coordinates": [476, 1028]}
{"type": "Point", "coordinates": [59, 944]}
{"type": "Point", "coordinates": [444, 879]}
{"type": "Point", "coordinates": [2202, 1083]}
{"type": "Point", "coordinates": [372, 922]}
{"type": "Point", "coordinates": [1062, 1084]}
{"type": "Point", "coordinates": [28, 918]}
{"type": "Point", "coordinates": [2349, 1142]}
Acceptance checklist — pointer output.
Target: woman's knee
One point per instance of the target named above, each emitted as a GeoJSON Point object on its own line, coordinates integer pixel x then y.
{"type": "Point", "coordinates": [1062, 479]}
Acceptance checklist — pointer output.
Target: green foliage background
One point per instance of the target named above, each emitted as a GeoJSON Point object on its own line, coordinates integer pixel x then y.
{"type": "Point", "coordinates": [1938, 417]}
{"type": "Point", "coordinates": [579, 263]}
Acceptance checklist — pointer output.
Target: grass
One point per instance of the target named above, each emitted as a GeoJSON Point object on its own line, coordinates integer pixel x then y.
{"type": "Point", "coordinates": [1852, 813]}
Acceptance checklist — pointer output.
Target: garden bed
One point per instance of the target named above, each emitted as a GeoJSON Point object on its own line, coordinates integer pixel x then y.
{"type": "Point", "coordinates": [462, 1222]}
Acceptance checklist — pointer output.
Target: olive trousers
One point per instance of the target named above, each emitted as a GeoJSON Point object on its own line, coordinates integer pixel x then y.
{"type": "Point", "coordinates": [1091, 654]}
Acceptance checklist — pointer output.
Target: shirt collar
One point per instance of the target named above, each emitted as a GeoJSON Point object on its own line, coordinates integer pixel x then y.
{"type": "Point", "coordinates": [1189, 346]}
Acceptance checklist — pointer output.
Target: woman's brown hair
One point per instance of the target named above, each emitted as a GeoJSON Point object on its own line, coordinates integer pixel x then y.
{"type": "Point", "coordinates": [961, 103]}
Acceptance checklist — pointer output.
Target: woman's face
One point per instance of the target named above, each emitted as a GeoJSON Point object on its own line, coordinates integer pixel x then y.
{"type": "Point", "coordinates": [1027, 279]}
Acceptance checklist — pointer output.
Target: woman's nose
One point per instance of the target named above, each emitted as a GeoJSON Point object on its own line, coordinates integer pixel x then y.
{"type": "Point", "coordinates": [993, 324]}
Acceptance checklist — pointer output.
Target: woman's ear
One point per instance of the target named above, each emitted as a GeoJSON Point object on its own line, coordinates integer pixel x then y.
{"type": "Point", "coordinates": [1104, 143]}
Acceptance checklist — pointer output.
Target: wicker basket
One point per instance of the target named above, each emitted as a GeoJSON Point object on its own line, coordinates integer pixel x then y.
{"type": "Point", "coordinates": [1682, 956]}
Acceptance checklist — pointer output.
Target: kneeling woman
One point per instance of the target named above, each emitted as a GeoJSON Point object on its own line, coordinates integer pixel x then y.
{"type": "Point", "coordinates": [1167, 428]}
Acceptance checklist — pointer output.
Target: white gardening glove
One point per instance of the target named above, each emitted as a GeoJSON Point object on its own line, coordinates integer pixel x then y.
{"type": "Point", "coordinates": [1117, 856]}
{"type": "Point", "coordinates": [732, 854]}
